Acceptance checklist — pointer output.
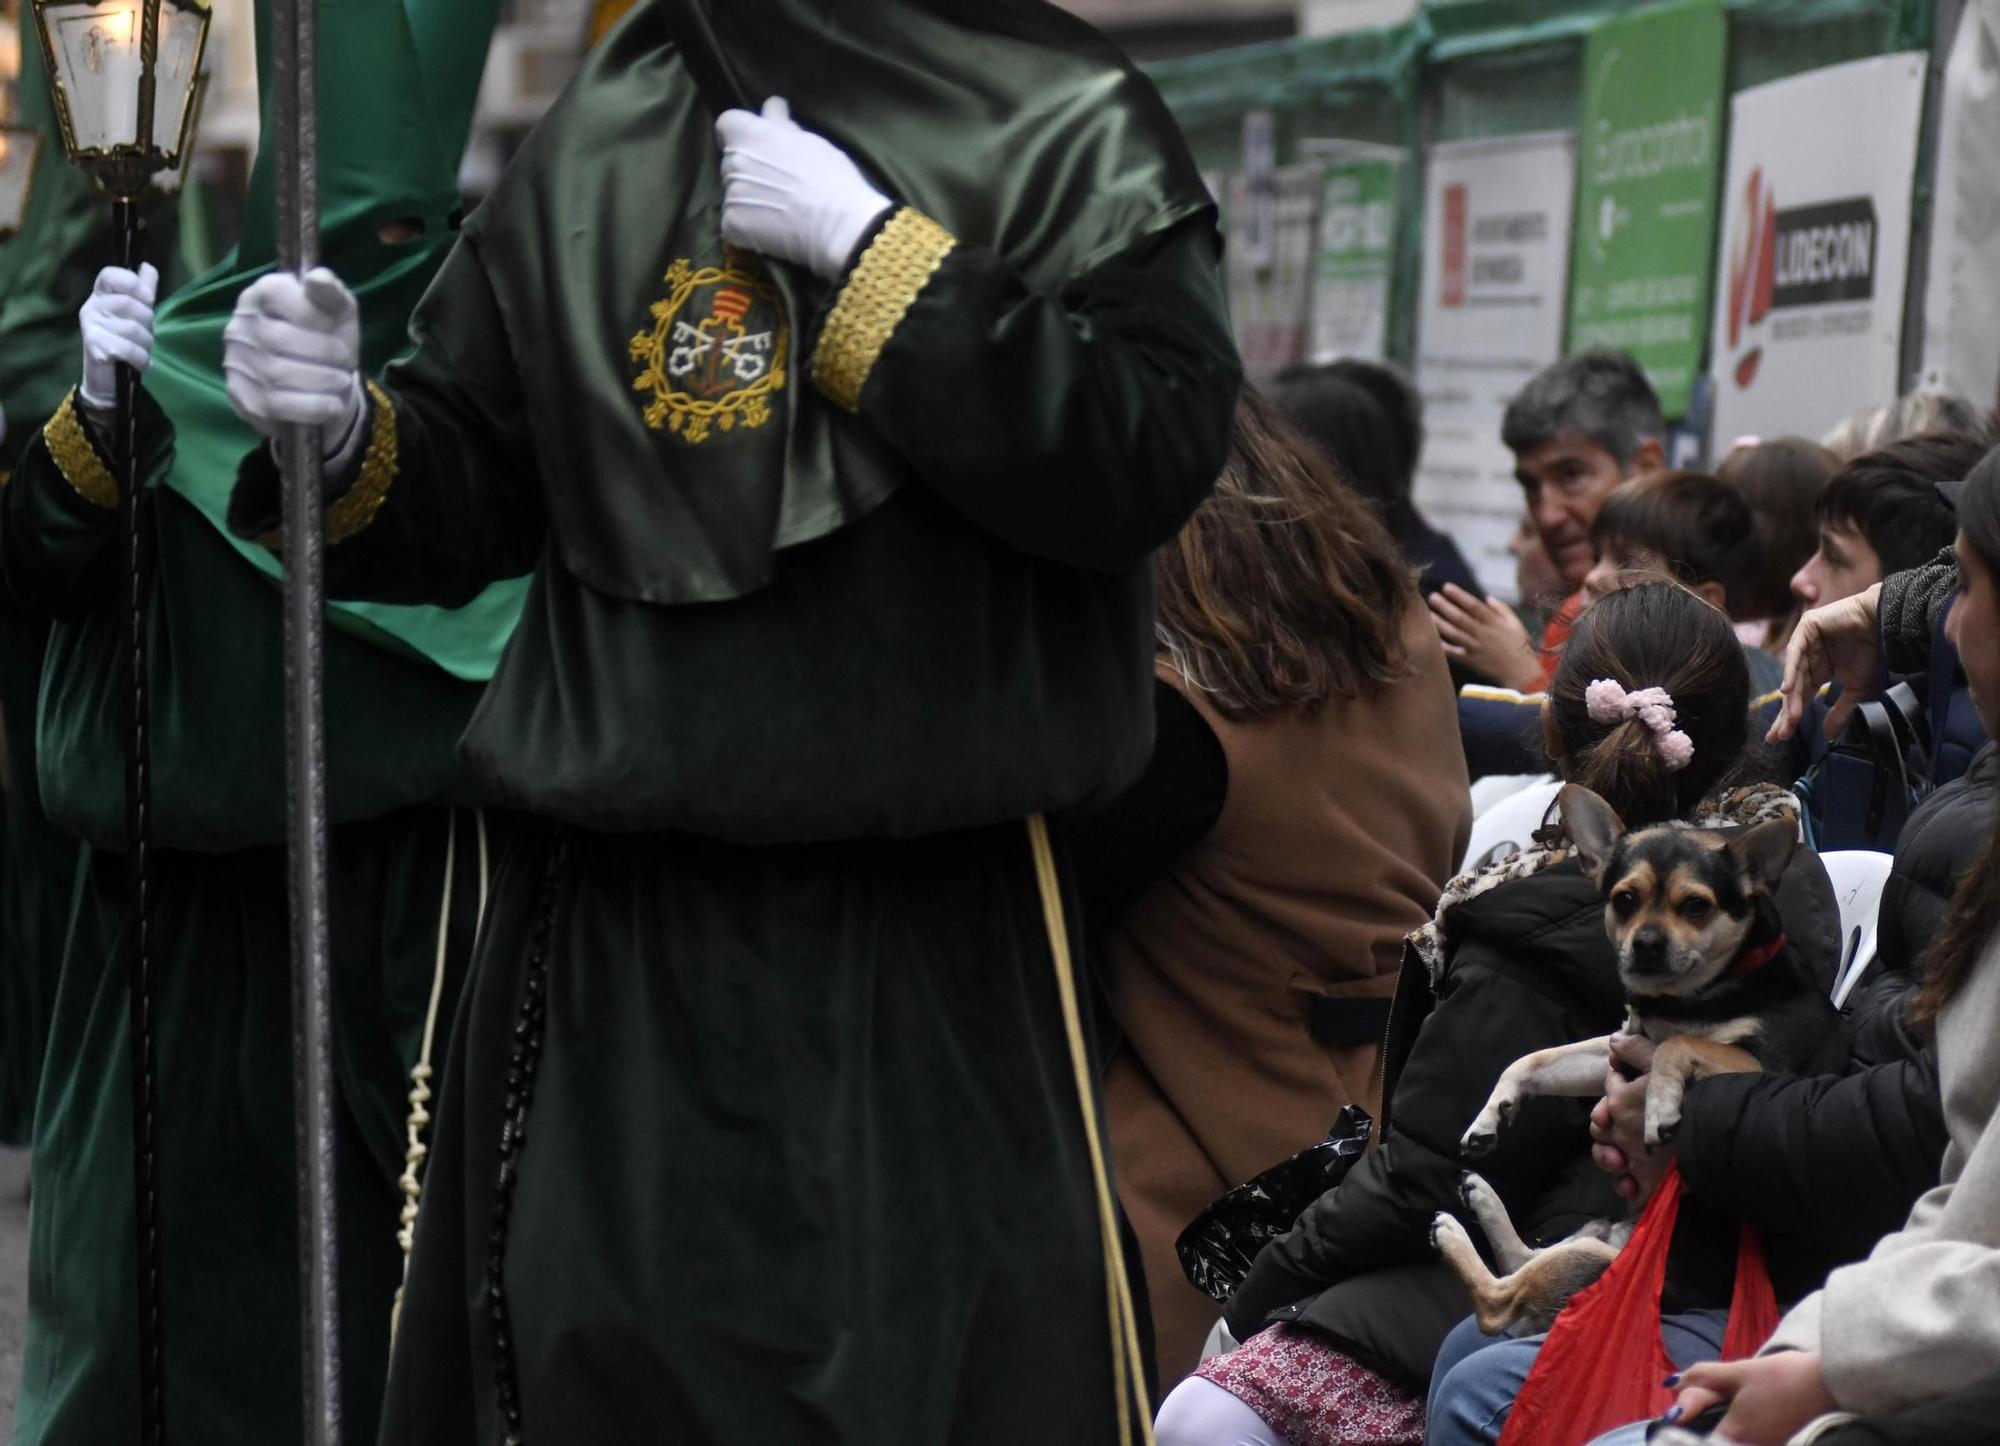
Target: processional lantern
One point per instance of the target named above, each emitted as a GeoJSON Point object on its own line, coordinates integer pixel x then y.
{"type": "Point", "coordinates": [170, 181]}
{"type": "Point", "coordinates": [20, 148]}
{"type": "Point", "coordinates": [124, 75]}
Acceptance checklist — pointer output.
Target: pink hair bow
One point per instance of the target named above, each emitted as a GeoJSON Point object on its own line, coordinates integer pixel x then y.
{"type": "Point", "coordinates": [1608, 702]}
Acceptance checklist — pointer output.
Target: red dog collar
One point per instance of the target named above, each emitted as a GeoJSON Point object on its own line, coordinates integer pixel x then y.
{"type": "Point", "coordinates": [1756, 957]}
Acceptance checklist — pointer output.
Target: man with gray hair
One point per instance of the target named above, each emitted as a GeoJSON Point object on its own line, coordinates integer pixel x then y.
{"type": "Point", "coordinates": [1577, 430]}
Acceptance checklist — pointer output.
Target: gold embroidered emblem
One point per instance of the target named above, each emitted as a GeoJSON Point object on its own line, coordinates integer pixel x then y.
{"type": "Point", "coordinates": [716, 351]}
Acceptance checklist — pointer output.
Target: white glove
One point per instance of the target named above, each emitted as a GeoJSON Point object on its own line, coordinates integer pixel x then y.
{"type": "Point", "coordinates": [117, 324]}
{"type": "Point", "coordinates": [292, 354]}
{"type": "Point", "coordinates": [791, 194]}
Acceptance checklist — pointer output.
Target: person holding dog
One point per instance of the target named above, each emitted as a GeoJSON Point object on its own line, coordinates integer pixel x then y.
{"type": "Point", "coordinates": [1516, 958]}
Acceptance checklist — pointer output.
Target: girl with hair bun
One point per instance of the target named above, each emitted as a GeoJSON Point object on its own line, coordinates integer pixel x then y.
{"type": "Point", "coordinates": [1343, 1318]}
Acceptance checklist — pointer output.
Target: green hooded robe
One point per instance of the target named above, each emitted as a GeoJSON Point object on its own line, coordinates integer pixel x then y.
{"type": "Point", "coordinates": [400, 685]}
{"type": "Point", "coordinates": [46, 271]}
{"type": "Point", "coordinates": [760, 1124]}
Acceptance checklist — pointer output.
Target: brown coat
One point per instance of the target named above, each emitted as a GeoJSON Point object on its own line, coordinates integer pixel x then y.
{"type": "Point", "coordinates": [1337, 835]}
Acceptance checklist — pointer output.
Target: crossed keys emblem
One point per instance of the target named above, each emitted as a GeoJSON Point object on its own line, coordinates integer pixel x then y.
{"type": "Point", "coordinates": [716, 350]}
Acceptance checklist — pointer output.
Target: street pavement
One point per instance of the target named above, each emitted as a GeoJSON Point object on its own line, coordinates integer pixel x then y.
{"type": "Point", "coordinates": [13, 1279]}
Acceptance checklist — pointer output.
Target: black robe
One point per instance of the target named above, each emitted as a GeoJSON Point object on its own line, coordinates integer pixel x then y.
{"type": "Point", "coordinates": [761, 1123]}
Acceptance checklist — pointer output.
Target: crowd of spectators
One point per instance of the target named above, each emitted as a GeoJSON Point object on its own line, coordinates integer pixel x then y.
{"type": "Point", "coordinates": [1293, 928]}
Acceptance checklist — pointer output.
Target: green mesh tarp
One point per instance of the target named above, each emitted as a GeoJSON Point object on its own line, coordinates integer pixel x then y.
{"type": "Point", "coordinates": [1466, 69]}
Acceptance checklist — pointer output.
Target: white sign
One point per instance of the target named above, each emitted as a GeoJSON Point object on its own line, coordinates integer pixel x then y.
{"type": "Point", "coordinates": [1816, 239]}
{"type": "Point", "coordinates": [1497, 219]}
{"type": "Point", "coordinates": [1962, 302]}
{"type": "Point", "coordinates": [1357, 251]}
{"type": "Point", "coordinates": [1269, 290]}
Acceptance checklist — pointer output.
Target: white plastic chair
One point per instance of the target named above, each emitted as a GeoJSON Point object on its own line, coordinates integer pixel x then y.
{"type": "Point", "coordinates": [1858, 876]}
{"type": "Point", "coordinates": [1219, 1343]}
{"type": "Point", "coordinates": [1513, 820]}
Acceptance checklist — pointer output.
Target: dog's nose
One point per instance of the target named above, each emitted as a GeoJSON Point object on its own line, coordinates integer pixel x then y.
{"type": "Point", "coordinates": [1649, 944]}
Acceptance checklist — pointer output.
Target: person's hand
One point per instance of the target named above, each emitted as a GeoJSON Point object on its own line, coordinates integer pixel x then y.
{"type": "Point", "coordinates": [117, 326]}
{"type": "Point", "coordinates": [292, 355]}
{"type": "Point", "coordinates": [1618, 1123]}
{"type": "Point", "coordinates": [791, 194]}
{"type": "Point", "coordinates": [1771, 1398]}
{"type": "Point", "coordinates": [1487, 636]}
{"type": "Point", "coordinates": [1833, 644]}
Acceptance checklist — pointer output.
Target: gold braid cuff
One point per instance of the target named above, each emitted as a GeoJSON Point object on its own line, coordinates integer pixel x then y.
{"type": "Point", "coordinates": [77, 457]}
{"type": "Point", "coordinates": [891, 273]}
{"type": "Point", "coordinates": [358, 506]}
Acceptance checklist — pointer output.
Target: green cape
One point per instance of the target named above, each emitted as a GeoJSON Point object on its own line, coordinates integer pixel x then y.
{"type": "Point", "coordinates": [391, 130]}
{"type": "Point", "coordinates": [678, 440]}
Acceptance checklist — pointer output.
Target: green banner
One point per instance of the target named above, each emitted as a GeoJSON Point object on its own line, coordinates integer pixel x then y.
{"type": "Point", "coordinates": [1649, 157]}
{"type": "Point", "coordinates": [1357, 257]}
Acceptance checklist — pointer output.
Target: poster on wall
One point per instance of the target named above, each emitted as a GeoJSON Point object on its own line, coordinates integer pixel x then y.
{"type": "Point", "coordinates": [1270, 283]}
{"type": "Point", "coordinates": [1356, 250]}
{"type": "Point", "coordinates": [1650, 155]}
{"type": "Point", "coordinates": [1496, 251]}
{"type": "Point", "coordinates": [1962, 303]}
{"type": "Point", "coordinates": [1815, 247]}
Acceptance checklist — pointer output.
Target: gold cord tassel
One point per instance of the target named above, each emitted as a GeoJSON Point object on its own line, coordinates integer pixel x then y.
{"type": "Point", "coordinates": [411, 1182]}
{"type": "Point", "coordinates": [1127, 1371]}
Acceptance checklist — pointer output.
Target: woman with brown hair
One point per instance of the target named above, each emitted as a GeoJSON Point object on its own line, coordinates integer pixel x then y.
{"type": "Point", "coordinates": [1250, 983]}
{"type": "Point", "coordinates": [1781, 478]}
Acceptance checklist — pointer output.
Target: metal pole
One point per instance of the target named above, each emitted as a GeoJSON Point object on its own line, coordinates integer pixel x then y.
{"type": "Point", "coordinates": [137, 542]}
{"type": "Point", "coordinates": [1946, 16]}
{"type": "Point", "coordinates": [295, 114]}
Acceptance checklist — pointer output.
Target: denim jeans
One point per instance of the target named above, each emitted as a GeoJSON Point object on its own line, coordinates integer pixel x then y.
{"type": "Point", "coordinates": [1477, 1376]}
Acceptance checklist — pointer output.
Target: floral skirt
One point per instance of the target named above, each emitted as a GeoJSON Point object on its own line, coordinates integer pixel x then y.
{"type": "Point", "coordinates": [1309, 1393]}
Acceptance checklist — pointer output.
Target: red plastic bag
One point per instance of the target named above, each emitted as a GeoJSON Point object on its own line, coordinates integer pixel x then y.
{"type": "Point", "coordinates": [1604, 1363]}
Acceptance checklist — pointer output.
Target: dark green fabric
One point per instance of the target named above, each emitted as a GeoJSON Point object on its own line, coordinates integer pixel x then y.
{"type": "Point", "coordinates": [222, 1007]}
{"type": "Point", "coordinates": [217, 664]}
{"type": "Point", "coordinates": [390, 133]}
{"type": "Point", "coordinates": [804, 1165]}
{"type": "Point", "coordinates": [450, 38]}
{"type": "Point", "coordinates": [37, 875]}
{"type": "Point", "coordinates": [37, 863]}
{"type": "Point", "coordinates": [976, 649]}
{"type": "Point", "coordinates": [1011, 123]}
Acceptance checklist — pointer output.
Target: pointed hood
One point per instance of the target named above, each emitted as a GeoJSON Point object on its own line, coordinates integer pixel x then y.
{"type": "Point", "coordinates": [383, 158]}
{"type": "Point", "coordinates": [451, 36]}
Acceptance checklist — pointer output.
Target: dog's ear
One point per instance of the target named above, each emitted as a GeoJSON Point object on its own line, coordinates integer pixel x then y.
{"type": "Point", "coordinates": [1762, 854]}
{"type": "Point", "coordinates": [1592, 825]}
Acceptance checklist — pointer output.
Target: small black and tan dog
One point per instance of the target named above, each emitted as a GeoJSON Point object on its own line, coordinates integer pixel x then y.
{"type": "Point", "coordinates": [1707, 977]}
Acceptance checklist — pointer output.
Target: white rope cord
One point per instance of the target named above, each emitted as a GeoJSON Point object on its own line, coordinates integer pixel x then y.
{"type": "Point", "coordinates": [411, 1182]}
{"type": "Point", "coordinates": [1127, 1371]}
{"type": "Point", "coordinates": [485, 878]}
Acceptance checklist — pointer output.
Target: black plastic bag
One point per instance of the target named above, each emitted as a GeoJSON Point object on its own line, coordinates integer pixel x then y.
{"type": "Point", "coordinates": [1216, 1250]}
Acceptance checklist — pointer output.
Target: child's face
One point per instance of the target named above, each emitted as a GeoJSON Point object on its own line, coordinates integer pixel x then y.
{"type": "Point", "coordinates": [1844, 565]}
{"type": "Point", "coordinates": [1614, 559]}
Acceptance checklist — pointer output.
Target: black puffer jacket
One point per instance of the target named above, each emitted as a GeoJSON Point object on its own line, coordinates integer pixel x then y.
{"type": "Point", "coordinates": [1526, 965]}
{"type": "Point", "coordinates": [1825, 1165]}
{"type": "Point", "coordinates": [1942, 838]}
{"type": "Point", "coordinates": [1969, 1418]}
